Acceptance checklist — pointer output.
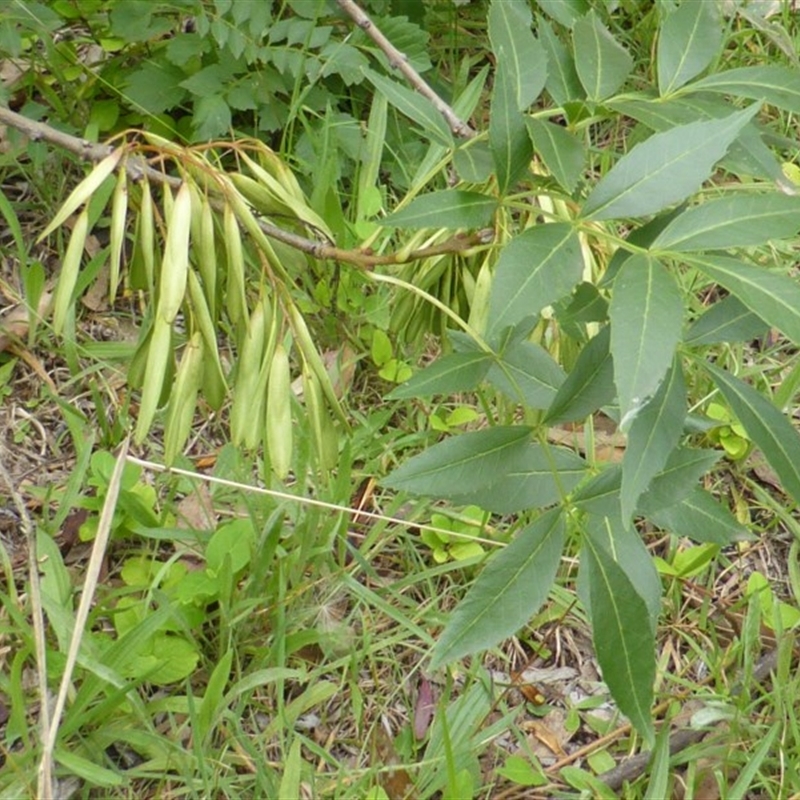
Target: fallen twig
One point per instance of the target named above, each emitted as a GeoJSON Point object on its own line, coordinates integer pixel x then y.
{"type": "Point", "coordinates": [635, 766]}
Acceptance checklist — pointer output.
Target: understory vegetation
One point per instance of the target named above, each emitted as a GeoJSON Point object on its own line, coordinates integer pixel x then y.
{"type": "Point", "coordinates": [398, 399]}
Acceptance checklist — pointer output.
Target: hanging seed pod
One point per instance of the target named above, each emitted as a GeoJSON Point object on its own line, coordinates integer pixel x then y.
{"type": "Point", "coordinates": [323, 429]}
{"type": "Point", "coordinates": [312, 358]}
{"type": "Point", "coordinates": [70, 268]}
{"type": "Point", "coordinates": [214, 386]}
{"type": "Point", "coordinates": [147, 237]}
{"type": "Point", "coordinates": [251, 379]}
{"type": "Point", "coordinates": [234, 290]}
{"type": "Point", "coordinates": [119, 219]}
{"type": "Point", "coordinates": [206, 253]}
{"type": "Point", "coordinates": [289, 196]}
{"type": "Point", "coordinates": [183, 398]}
{"type": "Point", "coordinates": [83, 192]}
{"type": "Point", "coordinates": [479, 303]}
{"type": "Point", "coordinates": [159, 352]}
{"type": "Point", "coordinates": [175, 265]}
{"type": "Point", "coordinates": [279, 435]}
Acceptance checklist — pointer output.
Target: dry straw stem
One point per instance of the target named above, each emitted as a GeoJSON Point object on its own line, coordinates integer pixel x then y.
{"type": "Point", "coordinates": [87, 596]}
{"type": "Point", "coordinates": [154, 466]}
{"type": "Point", "coordinates": [138, 169]}
{"type": "Point", "coordinates": [398, 60]}
{"type": "Point", "coordinates": [44, 788]}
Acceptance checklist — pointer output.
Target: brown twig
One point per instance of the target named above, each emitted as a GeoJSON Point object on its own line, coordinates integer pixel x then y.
{"type": "Point", "coordinates": [398, 60]}
{"type": "Point", "coordinates": [138, 168]}
{"type": "Point", "coordinates": [634, 767]}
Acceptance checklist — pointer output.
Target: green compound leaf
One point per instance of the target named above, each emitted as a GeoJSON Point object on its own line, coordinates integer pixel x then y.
{"type": "Point", "coordinates": [451, 208]}
{"type": "Point", "coordinates": [508, 592]}
{"type": "Point", "coordinates": [513, 41]}
{"type": "Point", "coordinates": [626, 547]}
{"type": "Point", "coordinates": [779, 86]}
{"type": "Point", "coordinates": [623, 633]}
{"type": "Point", "coordinates": [463, 464]}
{"type": "Point", "coordinates": [665, 169]}
{"type": "Point", "coordinates": [508, 135]}
{"type": "Point", "coordinates": [413, 105]}
{"type": "Point", "coordinates": [702, 518]}
{"type": "Point", "coordinates": [646, 311]}
{"type": "Point", "coordinates": [772, 432]}
{"type": "Point", "coordinates": [653, 436]}
{"type": "Point", "coordinates": [770, 295]}
{"type": "Point", "coordinates": [739, 221]}
{"type": "Point", "coordinates": [525, 371]}
{"type": "Point", "coordinates": [589, 386]}
{"type": "Point", "coordinates": [687, 43]}
{"type": "Point", "coordinates": [535, 269]}
{"type": "Point", "coordinates": [546, 475]}
{"type": "Point", "coordinates": [563, 83]}
{"type": "Point", "coordinates": [455, 372]}
{"type": "Point", "coordinates": [601, 62]}
{"type": "Point", "coordinates": [562, 152]}
{"type": "Point", "coordinates": [728, 320]}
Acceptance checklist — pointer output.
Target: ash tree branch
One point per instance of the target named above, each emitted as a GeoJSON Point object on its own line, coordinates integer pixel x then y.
{"type": "Point", "coordinates": [398, 60]}
{"type": "Point", "coordinates": [138, 168]}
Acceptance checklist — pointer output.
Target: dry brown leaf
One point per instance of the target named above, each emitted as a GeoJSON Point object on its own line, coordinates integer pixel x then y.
{"type": "Point", "coordinates": [423, 708]}
{"type": "Point", "coordinates": [14, 325]}
{"type": "Point", "coordinates": [550, 732]}
{"type": "Point", "coordinates": [196, 510]}
{"type": "Point", "coordinates": [396, 783]}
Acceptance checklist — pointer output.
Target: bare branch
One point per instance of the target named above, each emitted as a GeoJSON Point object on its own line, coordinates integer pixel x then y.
{"type": "Point", "coordinates": [138, 168]}
{"type": "Point", "coordinates": [398, 60]}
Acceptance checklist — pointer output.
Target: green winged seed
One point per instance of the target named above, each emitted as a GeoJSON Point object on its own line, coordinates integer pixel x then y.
{"type": "Point", "coordinates": [84, 191]}
{"type": "Point", "coordinates": [119, 219]}
{"type": "Point", "coordinates": [147, 238]}
{"type": "Point", "coordinates": [70, 268]}
{"type": "Point", "coordinates": [159, 352]}
{"type": "Point", "coordinates": [279, 414]}
{"type": "Point", "coordinates": [183, 398]}
{"type": "Point", "coordinates": [175, 265]}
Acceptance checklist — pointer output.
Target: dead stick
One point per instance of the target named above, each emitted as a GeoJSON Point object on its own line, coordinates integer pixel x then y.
{"type": "Point", "coordinates": [138, 168]}
{"type": "Point", "coordinates": [398, 60]}
{"type": "Point", "coordinates": [635, 766]}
